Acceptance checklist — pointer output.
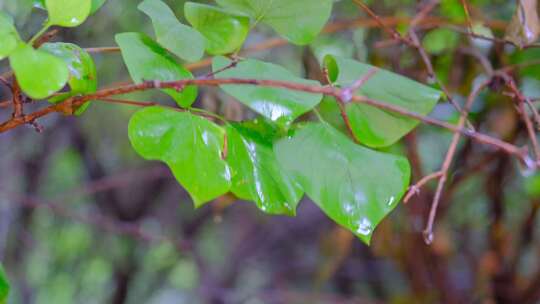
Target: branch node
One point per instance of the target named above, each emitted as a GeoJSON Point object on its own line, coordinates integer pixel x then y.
{"type": "Point", "coordinates": [346, 95]}
{"type": "Point", "coordinates": [37, 127]}
{"type": "Point", "coordinates": [428, 236]}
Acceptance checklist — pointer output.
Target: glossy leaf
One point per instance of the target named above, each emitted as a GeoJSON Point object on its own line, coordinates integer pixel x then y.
{"type": "Point", "coordinates": [4, 286]}
{"type": "Point", "coordinates": [147, 60]}
{"type": "Point", "coordinates": [355, 186]}
{"type": "Point", "coordinates": [68, 13]}
{"type": "Point", "coordinates": [299, 21]}
{"type": "Point", "coordinates": [9, 38]}
{"type": "Point", "coordinates": [81, 65]}
{"type": "Point", "coordinates": [38, 73]}
{"type": "Point", "coordinates": [279, 105]}
{"type": "Point", "coordinates": [190, 145]}
{"type": "Point", "coordinates": [224, 32]}
{"type": "Point", "coordinates": [256, 173]}
{"type": "Point", "coordinates": [372, 126]}
{"type": "Point", "coordinates": [82, 71]}
{"type": "Point", "coordinates": [181, 40]}
{"type": "Point", "coordinates": [331, 114]}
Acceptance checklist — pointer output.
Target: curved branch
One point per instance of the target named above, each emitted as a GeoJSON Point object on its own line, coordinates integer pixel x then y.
{"type": "Point", "coordinates": [69, 105]}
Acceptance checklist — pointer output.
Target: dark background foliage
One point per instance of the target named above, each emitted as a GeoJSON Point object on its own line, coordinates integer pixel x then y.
{"type": "Point", "coordinates": [84, 220]}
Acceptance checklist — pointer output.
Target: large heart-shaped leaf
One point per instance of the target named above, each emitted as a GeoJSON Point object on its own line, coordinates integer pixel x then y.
{"type": "Point", "coordinates": [68, 13]}
{"type": "Point", "coordinates": [9, 38]}
{"type": "Point", "coordinates": [300, 21]}
{"type": "Point", "coordinates": [83, 78]}
{"type": "Point", "coordinates": [38, 73]}
{"type": "Point", "coordinates": [147, 60]}
{"type": "Point", "coordinates": [355, 186]}
{"type": "Point", "coordinates": [224, 32]}
{"type": "Point", "coordinates": [256, 173]}
{"type": "Point", "coordinates": [280, 105]}
{"type": "Point", "coordinates": [190, 145]}
{"type": "Point", "coordinates": [372, 126]}
{"type": "Point", "coordinates": [181, 40]}
{"type": "Point", "coordinates": [4, 286]}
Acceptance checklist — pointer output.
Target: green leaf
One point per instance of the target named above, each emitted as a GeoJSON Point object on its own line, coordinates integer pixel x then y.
{"type": "Point", "coordinates": [190, 145]}
{"type": "Point", "coordinates": [4, 286]}
{"type": "Point", "coordinates": [372, 126]}
{"type": "Point", "coordinates": [81, 66]}
{"type": "Point", "coordinates": [147, 60]}
{"type": "Point", "coordinates": [224, 32]}
{"type": "Point", "coordinates": [96, 4]}
{"type": "Point", "coordinates": [39, 4]}
{"type": "Point", "coordinates": [83, 76]}
{"type": "Point", "coordinates": [256, 173]}
{"type": "Point", "coordinates": [38, 73]}
{"type": "Point", "coordinates": [9, 37]}
{"type": "Point", "coordinates": [68, 13]}
{"type": "Point", "coordinates": [181, 40]}
{"type": "Point", "coordinates": [355, 186]}
{"type": "Point", "coordinates": [279, 105]}
{"type": "Point", "coordinates": [331, 114]}
{"type": "Point", "coordinates": [299, 21]}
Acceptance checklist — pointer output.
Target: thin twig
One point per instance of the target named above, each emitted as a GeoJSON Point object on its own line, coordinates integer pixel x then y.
{"type": "Point", "coordinates": [428, 232]}
{"type": "Point", "coordinates": [390, 30]}
{"type": "Point", "coordinates": [414, 42]}
{"type": "Point", "coordinates": [415, 189]}
{"type": "Point", "coordinates": [467, 15]}
{"type": "Point", "coordinates": [522, 102]}
{"type": "Point", "coordinates": [17, 99]}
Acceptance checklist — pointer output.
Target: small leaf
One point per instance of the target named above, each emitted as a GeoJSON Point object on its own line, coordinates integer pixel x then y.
{"type": "Point", "coordinates": [9, 38]}
{"type": "Point", "coordinates": [524, 28]}
{"type": "Point", "coordinates": [299, 21]}
{"type": "Point", "coordinates": [4, 286]}
{"type": "Point", "coordinates": [355, 186]}
{"type": "Point", "coordinates": [146, 60]}
{"type": "Point", "coordinates": [256, 173]}
{"type": "Point", "coordinates": [68, 13]}
{"type": "Point", "coordinates": [372, 126]}
{"type": "Point", "coordinates": [39, 73]}
{"type": "Point", "coordinates": [224, 32]}
{"type": "Point", "coordinates": [190, 145]}
{"type": "Point", "coordinates": [83, 76]}
{"type": "Point", "coordinates": [279, 105]}
{"type": "Point", "coordinates": [81, 65]}
{"type": "Point", "coordinates": [181, 40]}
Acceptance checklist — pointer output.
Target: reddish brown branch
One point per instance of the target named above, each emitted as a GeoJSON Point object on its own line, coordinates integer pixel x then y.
{"type": "Point", "coordinates": [467, 14]}
{"type": "Point", "coordinates": [428, 232]}
{"type": "Point", "coordinates": [415, 189]}
{"type": "Point", "coordinates": [68, 106]}
{"type": "Point", "coordinates": [17, 99]}
{"type": "Point", "coordinates": [522, 103]}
